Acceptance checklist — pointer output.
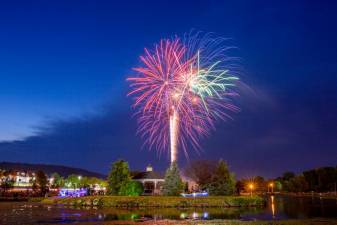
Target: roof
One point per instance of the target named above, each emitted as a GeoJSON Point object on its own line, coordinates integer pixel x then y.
{"type": "Point", "coordinates": [148, 175]}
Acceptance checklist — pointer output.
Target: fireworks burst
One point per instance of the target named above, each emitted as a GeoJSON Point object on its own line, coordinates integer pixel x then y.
{"type": "Point", "coordinates": [182, 87]}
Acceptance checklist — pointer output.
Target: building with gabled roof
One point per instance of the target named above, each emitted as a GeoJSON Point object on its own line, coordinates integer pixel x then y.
{"type": "Point", "coordinates": [151, 180]}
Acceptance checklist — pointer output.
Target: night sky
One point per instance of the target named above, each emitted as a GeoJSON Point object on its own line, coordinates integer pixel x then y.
{"type": "Point", "coordinates": [64, 64]}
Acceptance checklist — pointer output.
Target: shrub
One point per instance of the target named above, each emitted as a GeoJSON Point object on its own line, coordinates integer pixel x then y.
{"type": "Point", "coordinates": [132, 188]}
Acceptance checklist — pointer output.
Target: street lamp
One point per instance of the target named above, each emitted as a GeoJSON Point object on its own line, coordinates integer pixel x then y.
{"type": "Point", "coordinates": [251, 186]}
{"type": "Point", "coordinates": [271, 185]}
{"type": "Point", "coordinates": [79, 179]}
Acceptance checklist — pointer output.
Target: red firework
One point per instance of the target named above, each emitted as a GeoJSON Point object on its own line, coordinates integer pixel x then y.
{"type": "Point", "coordinates": [180, 90]}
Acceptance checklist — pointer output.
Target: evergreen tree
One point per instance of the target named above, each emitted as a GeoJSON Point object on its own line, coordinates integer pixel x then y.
{"type": "Point", "coordinates": [222, 182]}
{"type": "Point", "coordinates": [118, 178]}
{"type": "Point", "coordinates": [173, 185]}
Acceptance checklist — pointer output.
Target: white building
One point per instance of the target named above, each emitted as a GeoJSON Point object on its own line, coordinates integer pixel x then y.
{"type": "Point", "coordinates": [152, 181]}
{"type": "Point", "coordinates": [23, 179]}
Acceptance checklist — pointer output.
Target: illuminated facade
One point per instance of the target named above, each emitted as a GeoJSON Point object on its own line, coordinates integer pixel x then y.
{"type": "Point", "coordinates": [152, 181]}
{"type": "Point", "coordinates": [22, 180]}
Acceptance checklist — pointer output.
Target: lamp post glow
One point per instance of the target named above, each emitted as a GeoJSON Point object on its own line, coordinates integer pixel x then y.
{"type": "Point", "coordinates": [79, 181]}
{"type": "Point", "coordinates": [251, 187]}
{"type": "Point", "coordinates": [271, 185]}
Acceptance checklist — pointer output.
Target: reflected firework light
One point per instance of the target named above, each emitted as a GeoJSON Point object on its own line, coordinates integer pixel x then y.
{"type": "Point", "coordinates": [181, 88]}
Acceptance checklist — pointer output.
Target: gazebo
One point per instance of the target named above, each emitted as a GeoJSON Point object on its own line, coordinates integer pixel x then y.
{"type": "Point", "coordinates": [152, 181]}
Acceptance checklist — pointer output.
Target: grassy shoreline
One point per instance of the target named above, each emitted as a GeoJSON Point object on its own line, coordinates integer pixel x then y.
{"type": "Point", "coordinates": [313, 195]}
{"type": "Point", "coordinates": [317, 221]}
{"type": "Point", "coordinates": [225, 222]}
{"type": "Point", "coordinates": [160, 201]}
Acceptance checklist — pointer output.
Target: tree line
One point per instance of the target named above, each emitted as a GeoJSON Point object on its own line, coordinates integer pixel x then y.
{"type": "Point", "coordinates": [323, 179]}
{"type": "Point", "coordinates": [206, 174]}
{"type": "Point", "coordinates": [217, 179]}
{"type": "Point", "coordinates": [41, 185]}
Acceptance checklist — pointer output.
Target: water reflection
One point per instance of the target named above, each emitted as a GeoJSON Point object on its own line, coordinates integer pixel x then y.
{"type": "Point", "coordinates": [302, 207]}
{"type": "Point", "coordinates": [272, 206]}
{"type": "Point", "coordinates": [194, 215]}
{"type": "Point", "coordinates": [183, 215]}
{"type": "Point", "coordinates": [278, 207]}
{"type": "Point", "coordinates": [178, 214]}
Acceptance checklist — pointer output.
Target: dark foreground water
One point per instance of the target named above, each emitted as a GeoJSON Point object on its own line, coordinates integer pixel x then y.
{"type": "Point", "coordinates": [278, 208]}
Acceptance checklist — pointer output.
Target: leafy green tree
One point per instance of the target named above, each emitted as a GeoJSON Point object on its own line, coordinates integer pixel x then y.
{"type": "Point", "coordinates": [173, 185]}
{"type": "Point", "coordinates": [132, 188]}
{"type": "Point", "coordinates": [58, 180]}
{"type": "Point", "coordinates": [119, 177]}
{"type": "Point", "coordinates": [288, 175]}
{"type": "Point", "coordinates": [201, 171]}
{"type": "Point", "coordinates": [41, 181]}
{"type": "Point", "coordinates": [261, 185]}
{"type": "Point", "coordinates": [277, 185]}
{"type": "Point", "coordinates": [223, 182]}
{"type": "Point", "coordinates": [35, 188]}
{"type": "Point", "coordinates": [84, 182]}
{"type": "Point", "coordinates": [6, 183]}
{"type": "Point", "coordinates": [73, 181]}
{"type": "Point", "coordinates": [326, 178]}
{"type": "Point", "coordinates": [240, 186]}
{"type": "Point", "coordinates": [312, 178]}
{"type": "Point", "coordinates": [94, 180]}
{"type": "Point", "coordinates": [321, 179]}
{"type": "Point", "coordinates": [298, 184]}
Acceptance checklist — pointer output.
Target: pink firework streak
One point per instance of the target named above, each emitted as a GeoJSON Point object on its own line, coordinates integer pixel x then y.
{"type": "Point", "coordinates": [180, 90]}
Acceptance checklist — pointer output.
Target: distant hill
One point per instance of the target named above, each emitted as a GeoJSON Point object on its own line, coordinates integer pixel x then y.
{"type": "Point", "coordinates": [49, 169]}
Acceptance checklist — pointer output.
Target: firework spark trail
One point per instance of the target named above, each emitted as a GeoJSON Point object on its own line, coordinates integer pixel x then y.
{"type": "Point", "coordinates": [181, 89]}
{"type": "Point", "coordinates": [174, 120]}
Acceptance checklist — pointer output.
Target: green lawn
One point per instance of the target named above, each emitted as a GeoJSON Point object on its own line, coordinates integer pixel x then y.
{"type": "Point", "coordinates": [160, 201]}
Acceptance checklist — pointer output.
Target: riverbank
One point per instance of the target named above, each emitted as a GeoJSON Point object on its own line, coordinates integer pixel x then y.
{"type": "Point", "coordinates": [13, 199]}
{"type": "Point", "coordinates": [160, 201]}
{"type": "Point", "coordinates": [286, 212]}
{"type": "Point", "coordinates": [218, 222]}
{"type": "Point", "coordinates": [310, 194]}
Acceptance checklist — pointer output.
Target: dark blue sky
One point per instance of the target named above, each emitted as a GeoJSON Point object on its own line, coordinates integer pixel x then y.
{"type": "Point", "coordinates": [63, 66]}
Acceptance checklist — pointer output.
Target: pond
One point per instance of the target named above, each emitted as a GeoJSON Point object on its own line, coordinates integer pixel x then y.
{"type": "Point", "coordinates": [278, 208]}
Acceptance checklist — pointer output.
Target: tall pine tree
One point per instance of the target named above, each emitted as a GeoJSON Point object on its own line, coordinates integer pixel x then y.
{"type": "Point", "coordinates": [173, 184]}
{"type": "Point", "coordinates": [222, 182]}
